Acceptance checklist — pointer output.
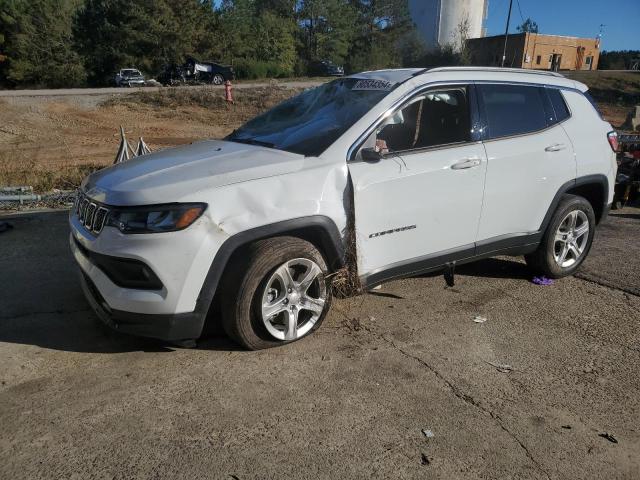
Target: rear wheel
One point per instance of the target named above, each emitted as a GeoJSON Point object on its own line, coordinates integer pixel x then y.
{"type": "Point", "coordinates": [277, 295]}
{"type": "Point", "coordinates": [567, 240]}
{"type": "Point", "coordinates": [218, 79]}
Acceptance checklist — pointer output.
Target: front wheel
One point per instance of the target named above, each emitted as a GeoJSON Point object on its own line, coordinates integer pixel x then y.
{"type": "Point", "coordinates": [277, 294]}
{"type": "Point", "coordinates": [567, 240]}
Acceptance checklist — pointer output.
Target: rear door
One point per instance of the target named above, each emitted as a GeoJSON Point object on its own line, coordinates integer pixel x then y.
{"type": "Point", "coordinates": [422, 199]}
{"type": "Point", "coordinates": [529, 157]}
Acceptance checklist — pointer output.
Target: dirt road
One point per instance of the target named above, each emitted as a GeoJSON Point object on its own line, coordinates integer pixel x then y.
{"type": "Point", "coordinates": [349, 402]}
{"type": "Point", "coordinates": [64, 92]}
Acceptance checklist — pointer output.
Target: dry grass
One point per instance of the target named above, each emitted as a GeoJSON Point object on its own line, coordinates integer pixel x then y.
{"type": "Point", "coordinates": [49, 143]}
{"type": "Point", "coordinates": [346, 282]}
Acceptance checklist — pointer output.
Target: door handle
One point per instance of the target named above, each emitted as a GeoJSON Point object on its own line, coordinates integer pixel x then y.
{"type": "Point", "coordinates": [466, 163]}
{"type": "Point", "coordinates": [555, 147]}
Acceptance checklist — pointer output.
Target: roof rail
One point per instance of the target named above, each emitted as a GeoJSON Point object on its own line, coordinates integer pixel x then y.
{"type": "Point", "coordinates": [493, 69]}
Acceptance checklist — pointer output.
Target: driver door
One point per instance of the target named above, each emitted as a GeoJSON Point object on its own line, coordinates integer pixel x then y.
{"type": "Point", "coordinates": [418, 205]}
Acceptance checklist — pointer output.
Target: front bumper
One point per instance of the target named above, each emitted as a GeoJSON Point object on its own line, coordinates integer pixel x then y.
{"type": "Point", "coordinates": [175, 307]}
{"type": "Point", "coordinates": [173, 328]}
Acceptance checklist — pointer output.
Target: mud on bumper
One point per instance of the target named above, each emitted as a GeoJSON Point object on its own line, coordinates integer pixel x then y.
{"type": "Point", "coordinates": [173, 328]}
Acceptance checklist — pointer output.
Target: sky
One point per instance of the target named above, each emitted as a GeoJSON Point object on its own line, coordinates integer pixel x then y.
{"type": "Point", "coordinates": [580, 18]}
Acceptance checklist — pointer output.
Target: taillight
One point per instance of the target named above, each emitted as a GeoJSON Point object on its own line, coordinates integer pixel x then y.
{"type": "Point", "coordinates": [613, 140]}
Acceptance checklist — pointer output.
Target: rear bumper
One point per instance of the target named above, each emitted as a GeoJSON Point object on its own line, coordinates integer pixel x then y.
{"type": "Point", "coordinates": [169, 327]}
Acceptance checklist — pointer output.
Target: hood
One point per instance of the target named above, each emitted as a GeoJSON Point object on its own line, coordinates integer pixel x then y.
{"type": "Point", "coordinates": [169, 175]}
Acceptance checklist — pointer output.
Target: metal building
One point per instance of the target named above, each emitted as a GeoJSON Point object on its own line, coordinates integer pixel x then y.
{"type": "Point", "coordinates": [439, 20]}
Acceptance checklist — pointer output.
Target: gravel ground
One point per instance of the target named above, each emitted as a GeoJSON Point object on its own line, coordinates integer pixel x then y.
{"type": "Point", "coordinates": [349, 402]}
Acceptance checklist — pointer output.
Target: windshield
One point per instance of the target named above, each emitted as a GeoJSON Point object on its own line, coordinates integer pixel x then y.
{"type": "Point", "coordinates": [310, 122]}
{"type": "Point", "coordinates": [130, 72]}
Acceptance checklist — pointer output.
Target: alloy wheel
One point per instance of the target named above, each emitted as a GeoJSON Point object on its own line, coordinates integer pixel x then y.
{"type": "Point", "coordinates": [293, 299]}
{"type": "Point", "coordinates": [571, 238]}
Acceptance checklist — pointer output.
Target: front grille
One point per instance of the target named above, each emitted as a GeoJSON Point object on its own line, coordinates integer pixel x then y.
{"type": "Point", "coordinates": [92, 215]}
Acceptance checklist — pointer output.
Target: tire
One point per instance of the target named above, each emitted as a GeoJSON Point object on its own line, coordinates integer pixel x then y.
{"type": "Point", "coordinates": [561, 238]}
{"type": "Point", "coordinates": [217, 79]}
{"type": "Point", "coordinates": [256, 283]}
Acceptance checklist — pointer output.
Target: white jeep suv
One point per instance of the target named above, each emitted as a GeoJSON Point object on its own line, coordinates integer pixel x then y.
{"type": "Point", "coordinates": [405, 170]}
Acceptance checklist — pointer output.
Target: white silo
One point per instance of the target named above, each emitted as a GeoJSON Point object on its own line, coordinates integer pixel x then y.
{"type": "Point", "coordinates": [439, 21]}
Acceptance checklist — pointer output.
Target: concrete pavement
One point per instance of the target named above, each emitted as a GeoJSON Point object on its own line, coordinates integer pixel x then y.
{"type": "Point", "coordinates": [77, 401]}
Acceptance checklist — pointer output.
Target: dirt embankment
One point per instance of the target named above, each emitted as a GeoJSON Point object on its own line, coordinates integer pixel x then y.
{"type": "Point", "coordinates": [616, 92]}
{"type": "Point", "coordinates": [55, 142]}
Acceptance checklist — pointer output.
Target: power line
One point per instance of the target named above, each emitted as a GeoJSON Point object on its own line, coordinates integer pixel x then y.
{"type": "Point", "coordinates": [520, 10]}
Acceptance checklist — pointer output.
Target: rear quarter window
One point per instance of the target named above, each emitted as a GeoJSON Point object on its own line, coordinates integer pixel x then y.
{"type": "Point", "coordinates": [513, 109]}
{"type": "Point", "coordinates": [559, 104]}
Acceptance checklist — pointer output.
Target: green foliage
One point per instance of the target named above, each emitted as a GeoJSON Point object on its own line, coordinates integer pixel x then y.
{"type": "Point", "coordinates": [253, 69]}
{"type": "Point", "coordinates": [67, 42]}
{"type": "Point", "coordinates": [618, 60]}
{"type": "Point", "coordinates": [147, 34]}
{"type": "Point", "coordinates": [327, 29]}
{"type": "Point", "coordinates": [38, 44]}
{"type": "Point", "coordinates": [528, 26]}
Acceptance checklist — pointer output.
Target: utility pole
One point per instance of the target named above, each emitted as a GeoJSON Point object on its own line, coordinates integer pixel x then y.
{"type": "Point", "coordinates": [506, 33]}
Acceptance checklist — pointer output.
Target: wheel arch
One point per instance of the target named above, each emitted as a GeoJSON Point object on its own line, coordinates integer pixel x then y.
{"type": "Point", "coordinates": [319, 230]}
{"type": "Point", "coordinates": [594, 188]}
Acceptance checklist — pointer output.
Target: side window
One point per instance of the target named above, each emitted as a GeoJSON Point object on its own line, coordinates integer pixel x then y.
{"type": "Point", "coordinates": [559, 105]}
{"type": "Point", "coordinates": [438, 117]}
{"type": "Point", "coordinates": [513, 109]}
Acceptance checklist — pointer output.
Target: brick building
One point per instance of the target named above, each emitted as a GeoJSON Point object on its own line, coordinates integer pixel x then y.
{"type": "Point", "coordinates": [536, 51]}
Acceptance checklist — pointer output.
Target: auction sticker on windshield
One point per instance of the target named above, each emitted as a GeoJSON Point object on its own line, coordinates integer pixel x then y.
{"type": "Point", "coordinates": [372, 85]}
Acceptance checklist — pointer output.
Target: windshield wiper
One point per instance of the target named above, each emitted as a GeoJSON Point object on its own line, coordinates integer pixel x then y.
{"type": "Point", "coordinates": [252, 141]}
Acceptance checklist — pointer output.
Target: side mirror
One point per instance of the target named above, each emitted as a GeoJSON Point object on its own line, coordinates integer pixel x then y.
{"type": "Point", "coordinates": [370, 155]}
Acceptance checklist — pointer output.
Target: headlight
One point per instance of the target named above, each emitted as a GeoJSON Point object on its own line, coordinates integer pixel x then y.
{"type": "Point", "coordinates": [155, 218]}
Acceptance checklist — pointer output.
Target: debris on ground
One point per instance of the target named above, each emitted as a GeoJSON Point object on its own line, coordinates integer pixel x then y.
{"type": "Point", "coordinates": [449, 274]}
{"type": "Point", "coordinates": [424, 460]}
{"type": "Point", "coordinates": [352, 324]}
{"type": "Point", "coordinates": [608, 436]}
{"type": "Point", "coordinates": [427, 433]}
{"type": "Point", "coordinates": [542, 281]}
{"type": "Point", "coordinates": [479, 319]}
{"type": "Point", "coordinates": [18, 194]}
{"type": "Point", "coordinates": [55, 199]}
{"type": "Point", "coordinates": [126, 152]}
{"type": "Point", "coordinates": [5, 226]}
{"type": "Point", "coordinates": [501, 367]}
{"type": "Point", "coordinates": [566, 427]}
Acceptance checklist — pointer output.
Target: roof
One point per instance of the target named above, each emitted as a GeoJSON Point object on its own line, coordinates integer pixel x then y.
{"type": "Point", "coordinates": [501, 35]}
{"type": "Point", "coordinates": [400, 75]}
{"type": "Point", "coordinates": [496, 74]}
{"type": "Point", "coordinates": [495, 69]}
{"type": "Point", "coordinates": [392, 75]}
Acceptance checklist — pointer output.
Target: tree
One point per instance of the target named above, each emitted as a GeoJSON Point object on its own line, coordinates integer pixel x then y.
{"type": "Point", "coordinates": [460, 37]}
{"type": "Point", "coordinates": [275, 41]}
{"type": "Point", "coordinates": [259, 36]}
{"type": "Point", "coordinates": [384, 28]}
{"type": "Point", "coordinates": [38, 45]}
{"type": "Point", "coordinates": [528, 26]}
{"type": "Point", "coordinates": [327, 29]}
{"type": "Point", "coordinates": [147, 34]}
